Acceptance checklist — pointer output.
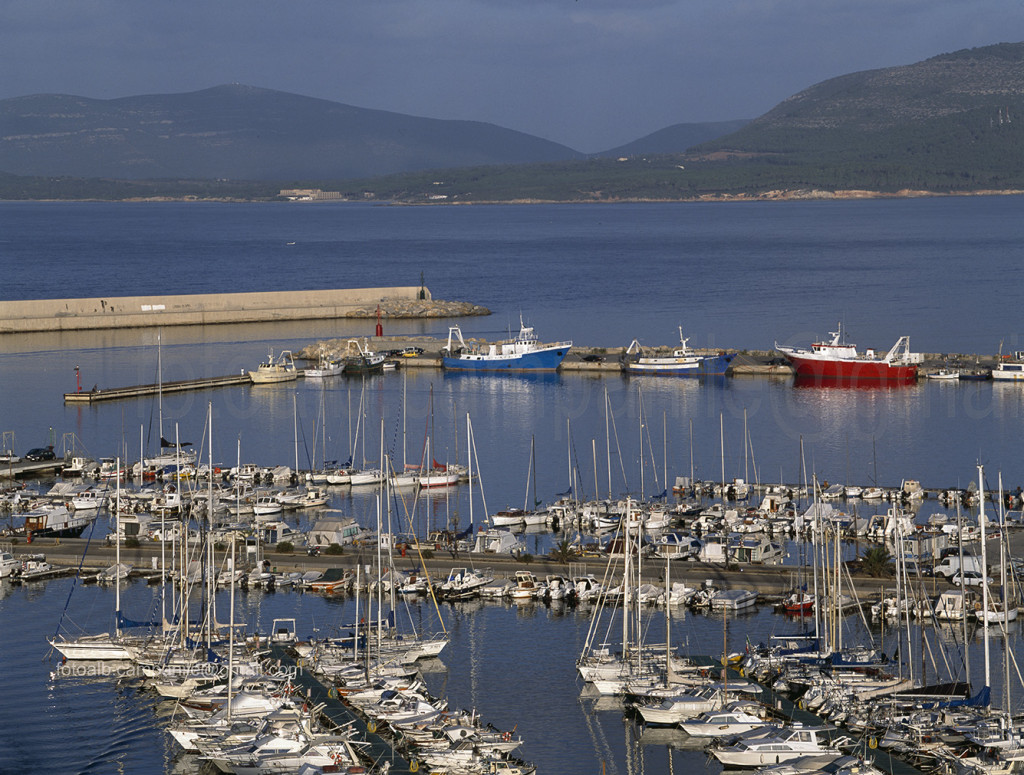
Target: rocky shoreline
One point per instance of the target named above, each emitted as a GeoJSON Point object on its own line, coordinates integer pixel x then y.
{"type": "Point", "coordinates": [397, 309]}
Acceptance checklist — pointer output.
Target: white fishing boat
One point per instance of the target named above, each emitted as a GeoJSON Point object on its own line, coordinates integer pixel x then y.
{"type": "Point", "coordinates": [681, 363]}
{"type": "Point", "coordinates": [281, 369]}
{"type": "Point", "coordinates": [943, 374]}
{"type": "Point", "coordinates": [325, 367]}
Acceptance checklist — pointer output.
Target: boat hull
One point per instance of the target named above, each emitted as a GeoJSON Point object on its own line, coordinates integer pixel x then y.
{"type": "Point", "coordinates": [860, 370]}
{"type": "Point", "coordinates": [93, 648]}
{"type": "Point", "coordinates": [270, 378]}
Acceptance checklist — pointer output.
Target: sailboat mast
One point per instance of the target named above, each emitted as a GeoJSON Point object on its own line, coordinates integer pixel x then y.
{"type": "Point", "coordinates": [117, 552]}
{"type": "Point", "coordinates": [721, 438]}
{"type": "Point", "coordinates": [669, 676]}
{"type": "Point", "coordinates": [533, 470]}
{"type": "Point", "coordinates": [469, 471]}
{"type": "Point", "coordinates": [664, 449]}
{"type": "Point", "coordinates": [814, 547]}
{"type": "Point", "coordinates": [1004, 599]}
{"type": "Point", "coordinates": [640, 416]}
{"type": "Point", "coordinates": [526, 495]}
{"type": "Point", "coordinates": [984, 570]}
{"type": "Point", "coordinates": [231, 626]}
{"type": "Point", "coordinates": [405, 381]}
{"type": "Point", "coordinates": [160, 386]}
{"type": "Point", "coordinates": [211, 584]}
{"type": "Point", "coordinates": [691, 453]}
{"type": "Point", "coordinates": [568, 449]}
{"type": "Point", "coordinates": [746, 448]}
{"type": "Point", "coordinates": [608, 443]}
{"type": "Point", "coordinates": [295, 429]}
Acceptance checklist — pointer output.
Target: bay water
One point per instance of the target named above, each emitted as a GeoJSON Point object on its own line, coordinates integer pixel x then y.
{"type": "Point", "coordinates": [732, 275]}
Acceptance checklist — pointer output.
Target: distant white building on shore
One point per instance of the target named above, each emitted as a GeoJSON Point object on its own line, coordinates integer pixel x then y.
{"type": "Point", "coordinates": [308, 194]}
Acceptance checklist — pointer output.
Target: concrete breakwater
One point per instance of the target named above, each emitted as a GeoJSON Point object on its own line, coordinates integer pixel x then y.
{"type": "Point", "coordinates": [214, 308]}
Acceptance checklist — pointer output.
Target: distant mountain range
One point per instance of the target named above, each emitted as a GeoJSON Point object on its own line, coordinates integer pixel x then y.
{"type": "Point", "coordinates": [953, 123]}
{"type": "Point", "coordinates": [243, 133]}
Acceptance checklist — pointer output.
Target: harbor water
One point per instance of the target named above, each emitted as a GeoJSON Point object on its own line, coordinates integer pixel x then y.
{"type": "Point", "coordinates": [740, 276]}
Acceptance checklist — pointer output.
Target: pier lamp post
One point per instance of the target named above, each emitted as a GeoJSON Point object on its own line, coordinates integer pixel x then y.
{"type": "Point", "coordinates": [78, 381]}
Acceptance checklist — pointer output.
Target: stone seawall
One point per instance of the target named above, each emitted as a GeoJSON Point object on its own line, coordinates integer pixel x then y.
{"type": "Point", "coordinates": [213, 308]}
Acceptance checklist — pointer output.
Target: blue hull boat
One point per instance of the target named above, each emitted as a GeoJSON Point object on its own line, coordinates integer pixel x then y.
{"type": "Point", "coordinates": [523, 353]}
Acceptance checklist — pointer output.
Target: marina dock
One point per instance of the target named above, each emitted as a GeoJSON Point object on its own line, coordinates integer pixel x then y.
{"type": "Point", "coordinates": [340, 715]}
{"type": "Point", "coordinates": [31, 468]}
{"type": "Point", "coordinates": [137, 391]}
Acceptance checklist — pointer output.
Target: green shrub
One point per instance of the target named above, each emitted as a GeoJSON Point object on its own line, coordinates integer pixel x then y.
{"type": "Point", "coordinates": [334, 549]}
{"type": "Point", "coordinates": [428, 554]}
{"type": "Point", "coordinates": [286, 547]}
{"type": "Point", "coordinates": [131, 542]}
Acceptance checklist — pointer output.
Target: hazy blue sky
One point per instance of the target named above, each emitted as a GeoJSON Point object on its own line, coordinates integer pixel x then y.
{"type": "Point", "coordinates": [590, 74]}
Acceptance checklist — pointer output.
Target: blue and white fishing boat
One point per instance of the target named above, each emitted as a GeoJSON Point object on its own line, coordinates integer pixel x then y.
{"type": "Point", "coordinates": [524, 353]}
{"type": "Point", "coordinates": [681, 363]}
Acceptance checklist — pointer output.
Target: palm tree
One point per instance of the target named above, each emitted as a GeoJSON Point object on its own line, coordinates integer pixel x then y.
{"type": "Point", "coordinates": [876, 562]}
{"type": "Point", "coordinates": [563, 551]}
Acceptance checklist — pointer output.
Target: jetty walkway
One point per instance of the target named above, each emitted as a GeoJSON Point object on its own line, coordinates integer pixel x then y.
{"type": "Point", "coordinates": [339, 715]}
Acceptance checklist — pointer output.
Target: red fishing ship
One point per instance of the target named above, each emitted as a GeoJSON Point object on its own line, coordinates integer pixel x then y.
{"type": "Point", "coordinates": [839, 360]}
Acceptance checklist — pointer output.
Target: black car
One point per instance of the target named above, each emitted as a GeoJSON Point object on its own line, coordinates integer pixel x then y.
{"type": "Point", "coordinates": [40, 453]}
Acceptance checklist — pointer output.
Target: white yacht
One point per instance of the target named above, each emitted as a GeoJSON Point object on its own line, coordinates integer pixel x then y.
{"type": "Point", "coordinates": [775, 745]}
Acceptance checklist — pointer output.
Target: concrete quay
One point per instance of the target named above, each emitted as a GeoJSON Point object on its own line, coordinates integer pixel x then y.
{"type": "Point", "coordinates": [214, 308]}
{"type": "Point", "coordinates": [768, 581]}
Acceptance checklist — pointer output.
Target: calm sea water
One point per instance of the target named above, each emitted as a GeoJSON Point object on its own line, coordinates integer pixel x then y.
{"type": "Point", "coordinates": [741, 276]}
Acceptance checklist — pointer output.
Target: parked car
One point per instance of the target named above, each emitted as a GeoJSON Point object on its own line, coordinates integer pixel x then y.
{"type": "Point", "coordinates": [970, 578]}
{"type": "Point", "coordinates": [40, 453]}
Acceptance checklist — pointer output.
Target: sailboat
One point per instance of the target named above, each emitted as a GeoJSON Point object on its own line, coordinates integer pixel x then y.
{"type": "Point", "coordinates": [170, 454]}
{"type": "Point", "coordinates": [438, 474]}
{"type": "Point", "coordinates": [407, 477]}
{"type": "Point", "coordinates": [364, 475]}
{"type": "Point", "coordinates": [104, 646]}
{"type": "Point", "coordinates": [1004, 610]}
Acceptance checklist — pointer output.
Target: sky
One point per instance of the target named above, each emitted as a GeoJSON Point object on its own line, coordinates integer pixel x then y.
{"type": "Point", "coordinates": [590, 74]}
